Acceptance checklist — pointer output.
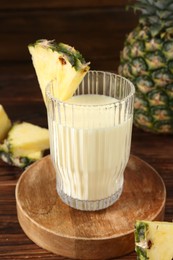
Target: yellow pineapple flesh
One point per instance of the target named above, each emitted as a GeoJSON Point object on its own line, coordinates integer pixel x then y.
{"type": "Point", "coordinates": [25, 138]}
{"type": "Point", "coordinates": [59, 63]}
{"type": "Point", "coordinates": [25, 143]}
{"type": "Point", "coordinates": [154, 240]}
{"type": "Point", "coordinates": [5, 123]}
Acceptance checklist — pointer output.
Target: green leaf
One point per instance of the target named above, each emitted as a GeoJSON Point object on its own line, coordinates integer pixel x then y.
{"type": "Point", "coordinates": [160, 5]}
{"type": "Point", "coordinates": [146, 1]}
{"type": "Point", "coordinates": [153, 19]}
{"type": "Point", "coordinates": [163, 14]}
{"type": "Point", "coordinates": [171, 7]}
{"type": "Point", "coordinates": [164, 3]}
{"type": "Point", "coordinates": [144, 8]}
{"type": "Point", "coordinates": [151, 2]}
{"type": "Point", "coordinates": [155, 29]}
{"type": "Point", "coordinates": [170, 30]}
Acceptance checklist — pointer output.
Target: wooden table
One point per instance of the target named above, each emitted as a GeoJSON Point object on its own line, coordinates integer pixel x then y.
{"type": "Point", "coordinates": [21, 97]}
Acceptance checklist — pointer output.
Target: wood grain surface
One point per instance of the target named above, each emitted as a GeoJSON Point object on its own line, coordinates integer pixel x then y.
{"type": "Point", "coordinates": [55, 226]}
{"type": "Point", "coordinates": [98, 29]}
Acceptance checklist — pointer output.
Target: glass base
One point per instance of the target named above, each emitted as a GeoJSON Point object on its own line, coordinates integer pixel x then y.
{"type": "Point", "coordinates": [89, 205]}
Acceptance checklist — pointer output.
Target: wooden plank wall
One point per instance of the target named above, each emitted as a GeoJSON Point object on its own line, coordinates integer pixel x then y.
{"type": "Point", "coordinates": [96, 27]}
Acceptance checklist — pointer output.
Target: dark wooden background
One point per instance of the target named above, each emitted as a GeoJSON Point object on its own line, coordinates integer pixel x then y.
{"type": "Point", "coordinates": [95, 27]}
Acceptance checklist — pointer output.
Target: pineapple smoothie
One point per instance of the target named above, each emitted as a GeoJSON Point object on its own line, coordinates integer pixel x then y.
{"type": "Point", "coordinates": [91, 155]}
{"type": "Point", "coordinates": [90, 138]}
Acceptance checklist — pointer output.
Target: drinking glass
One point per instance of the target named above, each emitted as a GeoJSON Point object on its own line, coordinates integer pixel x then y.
{"type": "Point", "coordinates": [90, 143]}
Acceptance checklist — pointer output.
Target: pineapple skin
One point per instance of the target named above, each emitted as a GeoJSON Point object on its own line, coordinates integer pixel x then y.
{"type": "Point", "coordinates": [20, 161]}
{"type": "Point", "coordinates": [5, 123]}
{"type": "Point", "coordinates": [147, 60]}
{"type": "Point", "coordinates": [154, 240]}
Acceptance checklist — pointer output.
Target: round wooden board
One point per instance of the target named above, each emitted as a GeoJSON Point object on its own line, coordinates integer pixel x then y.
{"type": "Point", "coordinates": [104, 234]}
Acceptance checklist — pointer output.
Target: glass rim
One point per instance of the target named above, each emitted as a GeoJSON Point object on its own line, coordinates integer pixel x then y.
{"type": "Point", "coordinates": [65, 102]}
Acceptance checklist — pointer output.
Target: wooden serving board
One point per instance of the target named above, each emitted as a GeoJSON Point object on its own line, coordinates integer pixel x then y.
{"type": "Point", "coordinates": [104, 234]}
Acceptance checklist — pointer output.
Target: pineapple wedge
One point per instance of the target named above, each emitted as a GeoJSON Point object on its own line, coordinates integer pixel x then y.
{"type": "Point", "coordinates": [24, 144]}
{"type": "Point", "coordinates": [5, 123]}
{"type": "Point", "coordinates": [60, 63]}
{"type": "Point", "coordinates": [19, 161]}
{"type": "Point", "coordinates": [25, 138]}
{"type": "Point", "coordinates": [25, 161]}
{"type": "Point", "coordinates": [154, 240]}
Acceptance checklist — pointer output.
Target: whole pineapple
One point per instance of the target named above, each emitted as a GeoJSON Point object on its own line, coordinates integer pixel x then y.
{"type": "Point", "coordinates": [147, 60]}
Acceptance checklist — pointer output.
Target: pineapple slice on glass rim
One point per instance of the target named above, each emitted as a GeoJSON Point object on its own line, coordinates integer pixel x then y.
{"type": "Point", "coordinates": [60, 63]}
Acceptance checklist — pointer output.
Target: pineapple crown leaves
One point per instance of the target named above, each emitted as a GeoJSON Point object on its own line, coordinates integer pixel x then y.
{"type": "Point", "coordinates": [157, 14]}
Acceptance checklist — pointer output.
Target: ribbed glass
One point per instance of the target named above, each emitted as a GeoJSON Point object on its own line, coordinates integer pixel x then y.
{"type": "Point", "coordinates": [90, 144]}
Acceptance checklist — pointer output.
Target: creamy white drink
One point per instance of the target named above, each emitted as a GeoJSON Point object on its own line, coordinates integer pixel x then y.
{"type": "Point", "coordinates": [90, 138]}
{"type": "Point", "coordinates": [91, 156]}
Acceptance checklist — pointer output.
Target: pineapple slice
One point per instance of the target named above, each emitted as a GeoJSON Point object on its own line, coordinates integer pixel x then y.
{"type": "Point", "coordinates": [60, 63]}
{"type": "Point", "coordinates": [154, 240]}
{"type": "Point", "coordinates": [24, 144]}
{"type": "Point", "coordinates": [25, 138]}
{"type": "Point", "coordinates": [5, 123]}
{"type": "Point", "coordinates": [25, 161]}
{"type": "Point", "coordinates": [20, 161]}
